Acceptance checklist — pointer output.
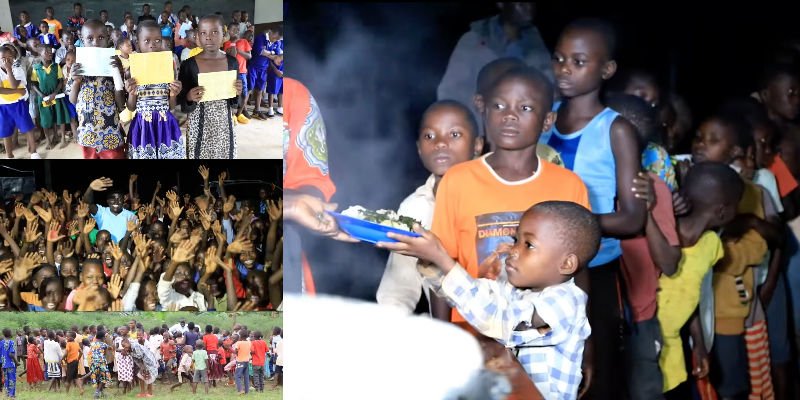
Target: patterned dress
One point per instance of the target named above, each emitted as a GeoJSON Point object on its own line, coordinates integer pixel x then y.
{"type": "Point", "coordinates": [98, 120]}
{"type": "Point", "coordinates": [147, 359]}
{"type": "Point", "coordinates": [98, 369]}
{"type": "Point", "coordinates": [154, 132]}
{"type": "Point", "coordinates": [124, 365]}
{"type": "Point", "coordinates": [7, 355]}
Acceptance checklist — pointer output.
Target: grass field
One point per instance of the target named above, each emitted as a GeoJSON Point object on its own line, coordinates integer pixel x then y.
{"type": "Point", "coordinates": [159, 391]}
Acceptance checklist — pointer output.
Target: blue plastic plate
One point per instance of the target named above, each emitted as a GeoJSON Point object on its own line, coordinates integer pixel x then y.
{"type": "Point", "coordinates": [366, 231]}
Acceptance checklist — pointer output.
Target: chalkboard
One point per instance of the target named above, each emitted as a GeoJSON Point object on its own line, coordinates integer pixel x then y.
{"type": "Point", "coordinates": [116, 9]}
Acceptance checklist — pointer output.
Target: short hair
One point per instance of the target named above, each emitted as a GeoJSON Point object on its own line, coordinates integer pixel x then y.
{"type": "Point", "coordinates": [493, 70]}
{"type": "Point", "coordinates": [257, 334]}
{"type": "Point", "coordinates": [738, 125]}
{"type": "Point", "coordinates": [7, 332]}
{"type": "Point", "coordinates": [52, 279]}
{"type": "Point", "coordinates": [51, 335]}
{"type": "Point", "coordinates": [712, 183]}
{"type": "Point", "coordinates": [209, 329]}
{"type": "Point", "coordinates": [146, 5]}
{"type": "Point", "coordinates": [191, 325]}
{"type": "Point", "coordinates": [639, 113]}
{"type": "Point", "coordinates": [233, 24]}
{"type": "Point", "coordinates": [277, 331]}
{"type": "Point", "coordinates": [49, 8]}
{"type": "Point", "coordinates": [77, 5]}
{"type": "Point", "coordinates": [122, 41]}
{"type": "Point", "coordinates": [602, 28]}
{"type": "Point", "coordinates": [103, 11]}
{"type": "Point", "coordinates": [775, 70]}
{"type": "Point", "coordinates": [200, 345]}
{"type": "Point", "coordinates": [532, 75]}
{"type": "Point", "coordinates": [215, 17]}
{"type": "Point", "coordinates": [24, 12]}
{"type": "Point", "coordinates": [147, 24]}
{"type": "Point", "coordinates": [470, 119]}
{"type": "Point", "coordinates": [94, 24]}
{"type": "Point", "coordinates": [577, 229]}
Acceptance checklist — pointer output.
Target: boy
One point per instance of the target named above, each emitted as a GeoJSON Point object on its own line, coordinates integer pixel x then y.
{"type": "Point", "coordinates": [257, 70]}
{"type": "Point", "coordinates": [245, 24]}
{"type": "Point", "coordinates": [54, 24]}
{"type": "Point", "coordinates": [190, 49]}
{"type": "Point", "coordinates": [104, 19]}
{"type": "Point", "coordinates": [113, 218]}
{"type": "Point", "coordinates": [7, 356]}
{"type": "Point", "coordinates": [259, 359]}
{"type": "Point", "coordinates": [778, 90]}
{"type": "Point", "coordinates": [76, 21]}
{"type": "Point", "coordinates": [275, 73]}
{"type": "Point", "coordinates": [73, 355]}
{"type": "Point", "coordinates": [536, 307]}
{"type": "Point", "coordinates": [439, 150]}
{"type": "Point", "coordinates": [67, 45]}
{"type": "Point", "coordinates": [98, 119]}
{"type": "Point", "coordinates": [25, 23]}
{"type": "Point", "coordinates": [239, 48]}
{"type": "Point", "coordinates": [200, 359]}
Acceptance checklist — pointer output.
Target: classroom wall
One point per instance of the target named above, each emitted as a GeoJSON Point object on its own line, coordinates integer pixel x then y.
{"type": "Point", "coordinates": [268, 11]}
{"type": "Point", "coordinates": [116, 9]}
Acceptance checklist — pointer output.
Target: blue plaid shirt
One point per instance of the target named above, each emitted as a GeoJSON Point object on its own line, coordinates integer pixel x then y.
{"type": "Point", "coordinates": [551, 357]}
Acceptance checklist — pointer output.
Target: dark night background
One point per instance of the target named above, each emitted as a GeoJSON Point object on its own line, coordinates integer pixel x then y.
{"type": "Point", "coordinates": [74, 175]}
{"type": "Point", "coordinates": [373, 69]}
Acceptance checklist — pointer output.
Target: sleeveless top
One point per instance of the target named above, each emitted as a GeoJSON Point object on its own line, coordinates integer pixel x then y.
{"type": "Point", "coordinates": [595, 166]}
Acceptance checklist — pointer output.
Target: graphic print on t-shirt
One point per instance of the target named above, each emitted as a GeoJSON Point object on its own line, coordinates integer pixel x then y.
{"type": "Point", "coordinates": [495, 237]}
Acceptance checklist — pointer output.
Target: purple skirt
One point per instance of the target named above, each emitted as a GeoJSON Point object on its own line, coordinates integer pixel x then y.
{"type": "Point", "coordinates": [155, 135]}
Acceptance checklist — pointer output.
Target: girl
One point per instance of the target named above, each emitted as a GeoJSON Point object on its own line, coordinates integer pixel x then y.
{"type": "Point", "coordinates": [14, 101]}
{"type": "Point", "coordinates": [98, 370]}
{"type": "Point", "coordinates": [46, 37]}
{"type": "Point", "coordinates": [69, 62]}
{"type": "Point", "coordinates": [154, 132]}
{"type": "Point", "coordinates": [211, 133]}
{"type": "Point", "coordinates": [33, 368]}
{"type": "Point", "coordinates": [166, 26]}
{"type": "Point", "coordinates": [50, 81]}
{"type": "Point", "coordinates": [125, 366]}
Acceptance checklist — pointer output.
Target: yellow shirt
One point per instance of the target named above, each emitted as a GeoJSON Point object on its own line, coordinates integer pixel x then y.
{"type": "Point", "coordinates": [678, 296]}
{"type": "Point", "coordinates": [35, 77]}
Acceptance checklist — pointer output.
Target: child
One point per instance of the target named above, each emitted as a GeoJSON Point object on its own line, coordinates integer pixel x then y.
{"type": "Point", "coordinates": [200, 359]}
{"type": "Point", "coordinates": [154, 132]}
{"type": "Point", "coordinates": [259, 359]}
{"type": "Point", "coordinates": [257, 70]}
{"type": "Point", "coordinates": [239, 48]}
{"type": "Point", "coordinates": [778, 90]}
{"type": "Point", "coordinates": [46, 37]}
{"type": "Point", "coordinates": [185, 25]}
{"type": "Point", "coordinates": [8, 362]}
{"type": "Point", "coordinates": [601, 148]}
{"type": "Point", "coordinates": [33, 374]}
{"type": "Point", "coordinates": [14, 108]}
{"type": "Point", "coordinates": [642, 84]}
{"type": "Point", "coordinates": [166, 25]}
{"type": "Point", "coordinates": [536, 307]}
{"type": "Point", "coordinates": [448, 135]}
{"type": "Point", "coordinates": [190, 48]}
{"type": "Point", "coordinates": [69, 62]}
{"type": "Point", "coordinates": [98, 369]}
{"type": "Point", "coordinates": [104, 19]}
{"type": "Point", "coordinates": [275, 73]}
{"type": "Point", "coordinates": [184, 367]}
{"type": "Point", "coordinates": [211, 133]}
{"type": "Point", "coordinates": [67, 45]}
{"type": "Point", "coordinates": [50, 82]}
{"type": "Point", "coordinates": [73, 357]}
{"type": "Point", "coordinates": [242, 349]}
{"type": "Point", "coordinates": [124, 49]}
{"type": "Point", "coordinates": [97, 101]}
{"type": "Point", "coordinates": [211, 343]}
{"type": "Point", "coordinates": [124, 365]}
{"type": "Point", "coordinates": [54, 25]}
{"type": "Point", "coordinates": [76, 21]}
{"type": "Point", "coordinates": [27, 26]}
{"type": "Point", "coordinates": [128, 28]}
{"type": "Point", "coordinates": [245, 23]}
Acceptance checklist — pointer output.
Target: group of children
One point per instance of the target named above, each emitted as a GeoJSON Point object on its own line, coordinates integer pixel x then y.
{"type": "Point", "coordinates": [176, 253]}
{"type": "Point", "coordinates": [679, 246]}
{"type": "Point", "coordinates": [114, 117]}
{"type": "Point", "coordinates": [127, 354]}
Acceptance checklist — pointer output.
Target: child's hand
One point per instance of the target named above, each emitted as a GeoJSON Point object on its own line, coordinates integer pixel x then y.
{"type": "Point", "coordinates": [587, 367]}
{"type": "Point", "coordinates": [238, 86]}
{"type": "Point", "coordinates": [52, 233]}
{"type": "Point", "coordinates": [132, 224]}
{"type": "Point", "coordinates": [51, 197]}
{"type": "Point", "coordinates": [77, 73]}
{"type": "Point", "coordinates": [195, 94]}
{"type": "Point", "coordinates": [36, 198]}
{"type": "Point", "coordinates": [175, 88]}
{"type": "Point", "coordinates": [46, 215]}
{"type": "Point", "coordinates": [216, 227]}
{"type": "Point", "coordinates": [210, 260]}
{"type": "Point", "coordinates": [67, 197]}
{"type": "Point", "coordinates": [232, 51]}
{"type": "Point", "coordinates": [83, 209]}
{"type": "Point", "coordinates": [205, 219]}
{"type": "Point", "coordinates": [643, 189]}
{"type": "Point", "coordinates": [115, 286]}
{"type": "Point", "coordinates": [183, 252]}
{"type": "Point", "coordinates": [89, 225]}
{"type": "Point", "coordinates": [176, 209]}
{"type": "Point", "coordinates": [116, 252]}
{"type": "Point", "coordinates": [240, 245]}
{"type": "Point", "coordinates": [130, 85]}
{"type": "Point", "coordinates": [101, 184]}
{"type": "Point", "coordinates": [700, 369]}
{"type": "Point", "coordinates": [132, 178]}
{"type": "Point", "coordinates": [221, 177]}
{"type": "Point", "coordinates": [172, 196]}
{"type": "Point", "coordinates": [227, 207]}
{"type": "Point", "coordinates": [73, 229]}
{"type": "Point", "coordinates": [426, 247]}
{"type": "Point", "coordinates": [19, 210]}
{"type": "Point", "coordinates": [203, 171]}
{"type": "Point", "coordinates": [31, 233]}
{"type": "Point", "coordinates": [25, 266]}
{"type": "Point", "coordinates": [6, 266]}
{"type": "Point", "coordinates": [275, 210]}
{"type": "Point", "coordinates": [178, 237]}
{"type": "Point", "coordinates": [67, 248]}
{"type": "Point", "coordinates": [116, 63]}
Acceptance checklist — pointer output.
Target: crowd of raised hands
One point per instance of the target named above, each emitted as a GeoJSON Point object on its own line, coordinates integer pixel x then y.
{"type": "Point", "coordinates": [190, 252]}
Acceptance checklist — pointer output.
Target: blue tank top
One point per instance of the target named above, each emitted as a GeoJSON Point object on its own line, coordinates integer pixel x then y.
{"type": "Point", "coordinates": [587, 153]}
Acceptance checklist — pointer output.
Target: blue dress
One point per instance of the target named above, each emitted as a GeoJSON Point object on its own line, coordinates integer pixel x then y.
{"type": "Point", "coordinates": [154, 131]}
{"type": "Point", "coordinates": [275, 82]}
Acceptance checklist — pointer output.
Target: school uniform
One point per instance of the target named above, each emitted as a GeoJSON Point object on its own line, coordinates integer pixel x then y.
{"type": "Point", "coordinates": [14, 108]}
{"type": "Point", "coordinates": [275, 82]}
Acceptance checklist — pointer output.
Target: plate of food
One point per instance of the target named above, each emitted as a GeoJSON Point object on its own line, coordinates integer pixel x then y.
{"type": "Point", "coordinates": [371, 226]}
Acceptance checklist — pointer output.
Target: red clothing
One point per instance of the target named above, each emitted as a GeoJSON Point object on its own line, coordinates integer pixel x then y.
{"type": "Point", "coordinates": [223, 359]}
{"type": "Point", "coordinates": [90, 153]}
{"type": "Point", "coordinates": [259, 348]}
{"type": "Point", "coordinates": [34, 372]}
{"type": "Point", "coordinates": [640, 272]}
{"type": "Point", "coordinates": [168, 350]}
{"type": "Point", "coordinates": [786, 182]}
{"type": "Point", "coordinates": [241, 45]}
{"type": "Point", "coordinates": [211, 341]}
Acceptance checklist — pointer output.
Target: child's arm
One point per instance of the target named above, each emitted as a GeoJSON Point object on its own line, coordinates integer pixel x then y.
{"type": "Point", "coordinates": [77, 79]}
{"type": "Point", "coordinates": [174, 91]}
{"type": "Point", "coordinates": [629, 219]}
{"type": "Point", "coordinates": [700, 369]}
{"type": "Point", "coordinates": [8, 238]}
{"type": "Point", "coordinates": [133, 95]}
{"type": "Point", "coordinates": [665, 256]}
{"type": "Point", "coordinates": [749, 250]}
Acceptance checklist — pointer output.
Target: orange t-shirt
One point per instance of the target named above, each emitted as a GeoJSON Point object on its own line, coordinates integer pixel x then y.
{"type": "Point", "coordinates": [211, 341]}
{"type": "Point", "coordinates": [477, 211]}
{"type": "Point", "coordinates": [242, 45]}
{"type": "Point", "coordinates": [73, 352]}
{"type": "Point", "coordinates": [786, 182]}
{"type": "Point", "coordinates": [55, 27]}
{"type": "Point", "coordinates": [242, 351]}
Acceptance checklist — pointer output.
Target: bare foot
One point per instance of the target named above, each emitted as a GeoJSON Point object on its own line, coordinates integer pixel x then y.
{"type": "Point", "coordinates": [64, 144]}
{"type": "Point", "coordinates": [10, 155]}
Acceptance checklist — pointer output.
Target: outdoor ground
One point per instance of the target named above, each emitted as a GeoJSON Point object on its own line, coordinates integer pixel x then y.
{"type": "Point", "coordinates": [159, 391]}
{"type": "Point", "coordinates": [257, 139]}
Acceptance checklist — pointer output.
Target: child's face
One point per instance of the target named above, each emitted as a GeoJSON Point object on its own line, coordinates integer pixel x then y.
{"type": "Point", "coordinates": [237, 16]}
{"type": "Point", "coordinates": [92, 275]}
{"type": "Point", "coordinates": [67, 39]}
{"type": "Point", "coordinates": [580, 63]}
{"type": "Point", "coordinates": [782, 97]}
{"type": "Point", "coordinates": [43, 27]}
{"type": "Point", "coordinates": [258, 290]}
{"type": "Point", "coordinates": [150, 40]}
{"type": "Point", "coordinates": [209, 34]}
{"type": "Point", "coordinates": [538, 259]}
{"type": "Point", "coordinates": [102, 239]}
{"type": "Point", "coordinates": [103, 17]}
{"type": "Point", "coordinates": [516, 114]}
{"type": "Point", "coordinates": [183, 279]}
{"type": "Point", "coordinates": [445, 139]}
{"type": "Point", "coordinates": [24, 18]}
{"type": "Point", "coordinates": [107, 257]}
{"type": "Point", "coordinates": [47, 54]}
{"type": "Point", "coordinates": [7, 55]}
{"type": "Point", "coordinates": [129, 25]}
{"type": "Point", "coordinates": [115, 36]}
{"type": "Point", "coordinates": [126, 47]}
{"type": "Point", "coordinates": [245, 16]}
{"type": "Point", "coordinates": [42, 274]}
{"type": "Point", "coordinates": [248, 258]}
{"type": "Point", "coordinates": [49, 13]}
{"type": "Point", "coordinates": [69, 267]}
{"type": "Point", "coordinates": [150, 301]}
{"type": "Point", "coordinates": [53, 294]}
{"type": "Point", "coordinates": [765, 153]}
{"type": "Point", "coordinates": [645, 90]}
{"type": "Point", "coordinates": [164, 18]}
{"type": "Point", "coordinates": [714, 142]}
{"type": "Point", "coordinates": [77, 10]}
{"type": "Point", "coordinates": [249, 37]}
{"type": "Point", "coordinates": [94, 36]}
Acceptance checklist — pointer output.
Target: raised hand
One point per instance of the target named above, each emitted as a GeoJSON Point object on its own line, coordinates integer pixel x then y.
{"type": "Point", "coordinates": [203, 170]}
{"type": "Point", "coordinates": [19, 210]}
{"type": "Point", "coordinates": [116, 252]}
{"type": "Point", "coordinates": [31, 233]}
{"type": "Point", "coordinates": [176, 209]}
{"type": "Point", "coordinates": [116, 306]}
{"type": "Point", "coordinates": [101, 184]}
{"type": "Point", "coordinates": [184, 252]}
{"type": "Point", "coordinates": [205, 219]}
{"type": "Point", "coordinates": [67, 248]}
{"type": "Point", "coordinates": [172, 196]}
{"type": "Point", "coordinates": [178, 236]}
{"type": "Point", "coordinates": [275, 210]}
{"type": "Point", "coordinates": [210, 260]}
{"type": "Point", "coordinates": [29, 215]}
{"type": "Point", "coordinates": [52, 233]}
{"type": "Point", "coordinates": [45, 215]}
{"type": "Point", "coordinates": [73, 229]}
{"type": "Point", "coordinates": [6, 266]}
{"type": "Point", "coordinates": [133, 178]}
{"type": "Point", "coordinates": [115, 286]}
{"type": "Point", "coordinates": [229, 204]}
{"type": "Point", "coordinates": [89, 225]}
{"type": "Point", "coordinates": [83, 210]}
{"type": "Point", "coordinates": [36, 198]}
{"type": "Point", "coordinates": [25, 266]}
{"type": "Point", "coordinates": [216, 227]}
{"type": "Point", "coordinates": [158, 186]}
{"type": "Point", "coordinates": [132, 224]}
{"type": "Point", "coordinates": [134, 203]}
{"type": "Point", "coordinates": [221, 177]}
{"type": "Point", "coordinates": [51, 198]}
{"type": "Point", "coordinates": [67, 197]}
{"type": "Point", "coordinates": [239, 245]}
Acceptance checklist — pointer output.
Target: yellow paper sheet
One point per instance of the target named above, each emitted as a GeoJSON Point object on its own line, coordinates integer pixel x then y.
{"type": "Point", "coordinates": [152, 68]}
{"type": "Point", "coordinates": [217, 85]}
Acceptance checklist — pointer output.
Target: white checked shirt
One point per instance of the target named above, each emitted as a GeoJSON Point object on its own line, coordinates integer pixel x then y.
{"type": "Point", "coordinates": [495, 308]}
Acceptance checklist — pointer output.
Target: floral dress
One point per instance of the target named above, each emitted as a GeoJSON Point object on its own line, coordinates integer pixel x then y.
{"type": "Point", "coordinates": [98, 369]}
{"type": "Point", "coordinates": [98, 120]}
{"type": "Point", "coordinates": [154, 132]}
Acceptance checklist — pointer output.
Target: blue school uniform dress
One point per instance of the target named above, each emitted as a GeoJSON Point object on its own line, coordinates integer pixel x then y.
{"type": "Point", "coordinates": [259, 65]}
{"type": "Point", "coordinates": [49, 38]}
{"type": "Point", "coordinates": [7, 355]}
{"type": "Point", "coordinates": [595, 166]}
{"type": "Point", "coordinates": [31, 29]}
{"type": "Point", "coordinates": [275, 82]}
{"type": "Point", "coordinates": [13, 107]}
